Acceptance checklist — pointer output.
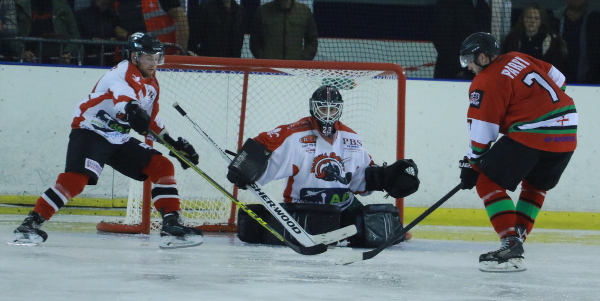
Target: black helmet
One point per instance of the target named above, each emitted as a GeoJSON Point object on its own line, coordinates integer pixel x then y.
{"type": "Point", "coordinates": [326, 105]}
{"type": "Point", "coordinates": [479, 42]}
{"type": "Point", "coordinates": [145, 43]}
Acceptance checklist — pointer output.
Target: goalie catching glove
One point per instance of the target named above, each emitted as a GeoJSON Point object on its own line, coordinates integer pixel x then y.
{"type": "Point", "coordinates": [137, 118]}
{"type": "Point", "coordinates": [184, 148]}
{"type": "Point", "coordinates": [249, 164]}
{"type": "Point", "coordinates": [398, 180]}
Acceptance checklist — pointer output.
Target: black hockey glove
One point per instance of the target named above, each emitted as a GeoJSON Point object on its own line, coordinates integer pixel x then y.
{"type": "Point", "coordinates": [184, 148]}
{"type": "Point", "coordinates": [399, 179]}
{"type": "Point", "coordinates": [137, 118]}
{"type": "Point", "coordinates": [468, 176]}
{"type": "Point", "coordinates": [236, 179]}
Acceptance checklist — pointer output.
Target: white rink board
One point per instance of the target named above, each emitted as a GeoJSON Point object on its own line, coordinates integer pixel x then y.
{"type": "Point", "coordinates": [36, 105]}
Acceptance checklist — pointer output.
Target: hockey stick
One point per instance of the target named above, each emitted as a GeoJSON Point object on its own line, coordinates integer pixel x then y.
{"type": "Point", "coordinates": [372, 253]}
{"type": "Point", "coordinates": [276, 210]}
{"type": "Point", "coordinates": [310, 250]}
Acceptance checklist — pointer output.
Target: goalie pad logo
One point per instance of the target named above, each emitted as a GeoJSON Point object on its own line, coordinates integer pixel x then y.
{"type": "Point", "coordinates": [475, 99]}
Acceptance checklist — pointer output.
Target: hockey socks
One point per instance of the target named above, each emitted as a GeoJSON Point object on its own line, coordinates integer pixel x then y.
{"type": "Point", "coordinates": [530, 202]}
{"type": "Point", "coordinates": [499, 206]}
{"type": "Point", "coordinates": [68, 185]}
{"type": "Point", "coordinates": [161, 172]}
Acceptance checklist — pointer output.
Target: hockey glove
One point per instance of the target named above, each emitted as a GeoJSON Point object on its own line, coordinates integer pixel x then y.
{"type": "Point", "coordinates": [236, 179]}
{"type": "Point", "coordinates": [137, 118]}
{"type": "Point", "coordinates": [468, 176]}
{"type": "Point", "coordinates": [184, 148]}
{"type": "Point", "coordinates": [249, 164]}
{"type": "Point", "coordinates": [399, 179]}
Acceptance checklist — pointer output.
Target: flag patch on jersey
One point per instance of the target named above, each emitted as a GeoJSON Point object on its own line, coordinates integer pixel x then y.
{"type": "Point", "coordinates": [475, 99]}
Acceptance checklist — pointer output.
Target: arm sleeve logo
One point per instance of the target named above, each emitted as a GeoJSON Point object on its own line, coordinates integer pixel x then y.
{"type": "Point", "coordinates": [475, 99]}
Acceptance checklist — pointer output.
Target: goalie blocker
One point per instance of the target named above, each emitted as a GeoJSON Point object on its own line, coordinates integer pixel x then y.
{"type": "Point", "coordinates": [375, 223]}
{"type": "Point", "coordinates": [249, 164]}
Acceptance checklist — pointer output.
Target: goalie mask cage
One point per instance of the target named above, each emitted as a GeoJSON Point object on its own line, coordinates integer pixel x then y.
{"type": "Point", "coordinates": [235, 99]}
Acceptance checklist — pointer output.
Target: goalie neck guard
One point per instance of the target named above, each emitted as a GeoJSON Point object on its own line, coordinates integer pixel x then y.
{"type": "Point", "coordinates": [326, 106]}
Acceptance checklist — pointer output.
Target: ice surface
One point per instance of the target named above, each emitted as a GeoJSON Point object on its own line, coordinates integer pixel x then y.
{"type": "Point", "coordinates": [76, 263]}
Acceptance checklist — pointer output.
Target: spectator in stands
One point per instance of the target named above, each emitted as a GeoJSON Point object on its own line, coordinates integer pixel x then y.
{"type": "Point", "coordinates": [532, 35]}
{"type": "Point", "coordinates": [47, 19]}
{"type": "Point", "coordinates": [453, 22]}
{"type": "Point", "coordinates": [166, 19]}
{"type": "Point", "coordinates": [8, 29]}
{"type": "Point", "coordinates": [284, 29]}
{"type": "Point", "coordinates": [579, 26]}
{"type": "Point", "coordinates": [218, 29]}
{"type": "Point", "coordinates": [98, 22]}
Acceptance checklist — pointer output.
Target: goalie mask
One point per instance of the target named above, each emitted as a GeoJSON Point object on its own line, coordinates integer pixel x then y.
{"type": "Point", "coordinates": [145, 43]}
{"type": "Point", "coordinates": [326, 107]}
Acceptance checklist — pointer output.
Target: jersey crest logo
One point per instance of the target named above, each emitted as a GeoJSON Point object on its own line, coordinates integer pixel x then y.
{"type": "Point", "coordinates": [136, 78]}
{"type": "Point", "coordinates": [330, 168]}
{"type": "Point", "coordinates": [475, 99]}
{"type": "Point", "coordinates": [274, 133]}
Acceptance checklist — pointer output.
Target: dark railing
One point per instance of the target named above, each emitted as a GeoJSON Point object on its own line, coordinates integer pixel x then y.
{"type": "Point", "coordinates": [100, 56]}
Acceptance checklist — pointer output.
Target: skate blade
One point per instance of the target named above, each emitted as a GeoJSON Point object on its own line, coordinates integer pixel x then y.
{"type": "Point", "coordinates": [20, 239]}
{"type": "Point", "coordinates": [512, 265]}
{"type": "Point", "coordinates": [174, 242]}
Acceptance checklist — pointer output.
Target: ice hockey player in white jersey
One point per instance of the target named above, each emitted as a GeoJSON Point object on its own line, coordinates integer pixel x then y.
{"type": "Point", "coordinates": [326, 166]}
{"type": "Point", "coordinates": [125, 98]}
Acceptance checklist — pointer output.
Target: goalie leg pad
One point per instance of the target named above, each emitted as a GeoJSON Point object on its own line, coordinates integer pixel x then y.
{"type": "Point", "coordinates": [376, 224]}
{"type": "Point", "coordinates": [314, 218]}
{"type": "Point", "coordinates": [249, 230]}
{"type": "Point", "coordinates": [251, 161]}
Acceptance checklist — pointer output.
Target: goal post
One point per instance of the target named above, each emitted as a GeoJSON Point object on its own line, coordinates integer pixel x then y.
{"type": "Point", "coordinates": [236, 99]}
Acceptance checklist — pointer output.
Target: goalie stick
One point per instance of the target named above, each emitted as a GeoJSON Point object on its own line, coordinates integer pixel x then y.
{"type": "Point", "coordinates": [274, 208]}
{"type": "Point", "coordinates": [372, 253]}
{"type": "Point", "coordinates": [304, 250]}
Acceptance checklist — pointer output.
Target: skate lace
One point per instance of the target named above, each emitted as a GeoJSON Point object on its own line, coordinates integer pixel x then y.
{"type": "Point", "coordinates": [505, 246]}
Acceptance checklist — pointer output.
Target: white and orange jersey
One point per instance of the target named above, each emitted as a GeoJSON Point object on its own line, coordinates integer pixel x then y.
{"type": "Point", "coordinates": [301, 155]}
{"type": "Point", "coordinates": [520, 96]}
{"type": "Point", "coordinates": [103, 110]}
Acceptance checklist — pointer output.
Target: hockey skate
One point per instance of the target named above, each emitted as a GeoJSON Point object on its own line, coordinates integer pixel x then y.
{"type": "Point", "coordinates": [175, 235]}
{"type": "Point", "coordinates": [29, 233]}
{"type": "Point", "coordinates": [509, 258]}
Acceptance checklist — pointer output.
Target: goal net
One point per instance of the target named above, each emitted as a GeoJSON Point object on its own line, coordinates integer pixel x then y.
{"type": "Point", "coordinates": [235, 99]}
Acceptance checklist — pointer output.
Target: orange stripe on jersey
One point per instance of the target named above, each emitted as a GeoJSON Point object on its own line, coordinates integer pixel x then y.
{"type": "Point", "coordinates": [86, 105]}
{"type": "Point", "coordinates": [275, 138]}
{"type": "Point", "coordinates": [287, 192]}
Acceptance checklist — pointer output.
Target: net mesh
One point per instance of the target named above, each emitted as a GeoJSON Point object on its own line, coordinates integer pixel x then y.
{"type": "Point", "coordinates": [218, 102]}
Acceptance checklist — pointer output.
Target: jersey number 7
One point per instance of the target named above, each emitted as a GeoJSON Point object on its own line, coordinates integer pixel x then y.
{"type": "Point", "coordinates": [533, 76]}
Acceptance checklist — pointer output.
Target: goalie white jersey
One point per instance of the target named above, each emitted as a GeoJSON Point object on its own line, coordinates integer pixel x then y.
{"type": "Point", "coordinates": [103, 110]}
{"type": "Point", "coordinates": [318, 171]}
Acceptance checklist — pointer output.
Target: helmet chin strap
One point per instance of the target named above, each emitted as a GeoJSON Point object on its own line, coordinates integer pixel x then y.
{"type": "Point", "coordinates": [482, 66]}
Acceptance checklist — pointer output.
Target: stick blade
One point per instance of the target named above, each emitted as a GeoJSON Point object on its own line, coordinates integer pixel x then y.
{"type": "Point", "coordinates": [312, 250]}
{"type": "Point", "coordinates": [335, 236]}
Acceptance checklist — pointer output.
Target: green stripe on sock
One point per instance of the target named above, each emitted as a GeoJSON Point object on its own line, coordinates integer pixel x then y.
{"type": "Point", "coordinates": [503, 205]}
{"type": "Point", "coordinates": [530, 210]}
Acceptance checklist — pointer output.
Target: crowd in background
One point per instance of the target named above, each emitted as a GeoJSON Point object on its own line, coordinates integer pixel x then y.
{"type": "Point", "coordinates": [568, 37]}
